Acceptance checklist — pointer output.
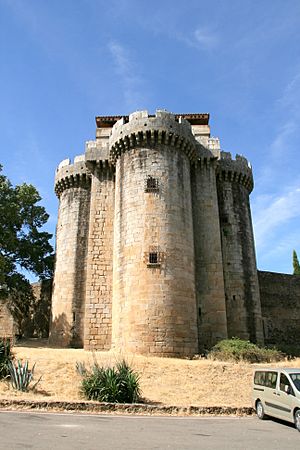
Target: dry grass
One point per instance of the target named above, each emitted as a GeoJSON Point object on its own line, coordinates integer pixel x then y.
{"type": "Point", "coordinates": [163, 380]}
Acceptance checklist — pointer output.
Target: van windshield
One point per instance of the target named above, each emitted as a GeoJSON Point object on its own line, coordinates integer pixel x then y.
{"type": "Point", "coordinates": [296, 380]}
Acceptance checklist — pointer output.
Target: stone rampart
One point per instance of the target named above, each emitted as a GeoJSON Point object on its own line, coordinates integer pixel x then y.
{"type": "Point", "coordinates": [71, 175]}
{"type": "Point", "coordinates": [147, 131]}
{"type": "Point", "coordinates": [96, 151]}
{"type": "Point", "coordinates": [280, 303]}
{"type": "Point", "coordinates": [235, 170]}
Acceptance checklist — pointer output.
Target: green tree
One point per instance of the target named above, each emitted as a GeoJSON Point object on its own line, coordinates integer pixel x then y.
{"type": "Point", "coordinates": [23, 246]}
{"type": "Point", "coordinates": [296, 265]}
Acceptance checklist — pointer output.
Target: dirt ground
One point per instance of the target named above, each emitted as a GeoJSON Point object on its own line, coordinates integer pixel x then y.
{"type": "Point", "coordinates": [166, 381]}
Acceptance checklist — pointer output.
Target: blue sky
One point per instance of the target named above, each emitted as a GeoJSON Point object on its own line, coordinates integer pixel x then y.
{"type": "Point", "coordinates": [64, 62]}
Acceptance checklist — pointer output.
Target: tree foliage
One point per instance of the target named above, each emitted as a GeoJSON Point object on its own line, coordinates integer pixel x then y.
{"type": "Point", "coordinates": [296, 265]}
{"type": "Point", "coordinates": [23, 246]}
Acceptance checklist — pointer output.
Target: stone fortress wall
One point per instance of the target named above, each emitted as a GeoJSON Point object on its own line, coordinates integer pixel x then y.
{"type": "Point", "coordinates": [280, 301]}
{"type": "Point", "coordinates": [7, 326]}
{"type": "Point", "coordinates": [155, 249]}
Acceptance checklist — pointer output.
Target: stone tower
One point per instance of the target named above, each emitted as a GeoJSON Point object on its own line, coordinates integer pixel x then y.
{"type": "Point", "coordinates": [235, 182]}
{"type": "Point", "coordinates": [155, 251]}
{"type": "Point", "coordinates": [154, 304]}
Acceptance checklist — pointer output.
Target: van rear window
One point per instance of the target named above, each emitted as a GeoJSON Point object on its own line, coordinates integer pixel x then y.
{"type": "Point", "coordinates": [266, 378]}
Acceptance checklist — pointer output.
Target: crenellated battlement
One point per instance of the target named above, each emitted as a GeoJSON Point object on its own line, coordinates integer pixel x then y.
{"type": "Point", "coordinates": [235, 170]}
{"type": "Point", "coordinates": [143, 129]}
{"type": "Point", "coordinates": [97, 151]}
{"type": "Point", "coordinates": [71, 175]}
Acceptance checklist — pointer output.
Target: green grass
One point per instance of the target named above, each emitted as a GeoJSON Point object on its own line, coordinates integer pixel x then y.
{"type": "Point", "coordinates": [236, 349]}
{"type": "Point", "coordinates": [119, 384]}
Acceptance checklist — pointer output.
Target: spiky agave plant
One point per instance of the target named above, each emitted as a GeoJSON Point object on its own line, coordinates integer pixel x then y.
{"type": "Point", "coordinates": [21, 376]}
{"type": "Point", "coordinates": [118, 384]}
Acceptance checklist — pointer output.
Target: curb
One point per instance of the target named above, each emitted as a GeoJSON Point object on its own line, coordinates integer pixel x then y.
{"type": "Point", "coordinates": [125, 408]}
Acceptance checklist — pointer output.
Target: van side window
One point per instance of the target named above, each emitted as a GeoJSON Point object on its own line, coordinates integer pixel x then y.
{"type": "Point", "coordinates": [266, 378]}
{"type": "Point", "coordinates": [259, 378]}
{"type": "Point", "coordinates": [271, 379]}
{"type": "Point", "coordinates": [285, 382]}
{"type": "Point", "coordinates": [296, 379]}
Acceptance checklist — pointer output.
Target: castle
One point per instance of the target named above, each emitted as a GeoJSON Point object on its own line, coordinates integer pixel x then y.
{"type": "Point", "coordinates": [154, 246]}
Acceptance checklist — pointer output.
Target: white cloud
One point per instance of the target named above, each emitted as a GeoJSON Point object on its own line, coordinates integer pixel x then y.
{"type": "Point", "coordinates": [284, 133]}
{"type": "Point", "coordinates": [131, 81]}
{"type": "Point", "coordinates": [202, 38]}
{"type": "Point", "coordinates": [276, 211]}
{"type": "Point", "coordinates": [291, 95]}
{"type": "Point", "coordinates": [270, 213]}
{"type": "Point", "coordinates": [206, 38]}
{"type": "Point", "coordinates": [282, 150]}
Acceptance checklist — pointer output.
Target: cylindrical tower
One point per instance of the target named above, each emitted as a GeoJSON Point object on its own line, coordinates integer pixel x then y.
{"type": "Point", "coordinates": [72, 186]}
{"type": "Point", "coordinates": [210, 293]}
{"type": "Point", "coordinates": [154, 304]}
{"type": "Point", "coordinates": [234, 184]}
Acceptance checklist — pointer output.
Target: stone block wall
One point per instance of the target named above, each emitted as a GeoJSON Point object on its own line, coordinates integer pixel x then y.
{"type": "Point", "coordinates": [98, 299]}
{"type": "Point", "coordinates": [280, 303]}
{"type": "Point", "coordinates": [212, 321]}
{"type": "Point", "coordinates": [7, 327]}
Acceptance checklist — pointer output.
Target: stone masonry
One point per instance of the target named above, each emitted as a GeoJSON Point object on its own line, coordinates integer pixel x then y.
{"type": "Point", "coordinates": [155, 249]}
{"type": "Point", "coordinates": [7, 325]}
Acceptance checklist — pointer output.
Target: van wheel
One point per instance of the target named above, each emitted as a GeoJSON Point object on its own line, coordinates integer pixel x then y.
{"type": "Point", "coordinates": [297, 419]}
{"type": "Point", "coordinates": [261, 412]}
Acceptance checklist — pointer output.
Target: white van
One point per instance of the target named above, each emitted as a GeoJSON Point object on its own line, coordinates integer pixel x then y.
{"type": "Point", "coordinates": [276, 393]}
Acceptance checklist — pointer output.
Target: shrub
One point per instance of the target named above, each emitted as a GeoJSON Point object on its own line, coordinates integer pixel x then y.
{"type": "Point", "coordinates": [21, 376]}
{"type": "Point", "coordinates": [5, 357]}
{"type": "Point", "coordinates": [119, 384]}
{"type": "Point", "coordinates": [236, 349]}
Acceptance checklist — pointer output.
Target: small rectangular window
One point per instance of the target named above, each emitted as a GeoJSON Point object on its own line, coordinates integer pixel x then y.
{"type": "Point", "coordinates": [153, 258]}
{"type": "Point", "coordinates": [151, 184]}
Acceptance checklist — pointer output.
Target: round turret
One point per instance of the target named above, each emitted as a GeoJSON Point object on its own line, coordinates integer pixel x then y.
{"type": "Point", "coordinates": [72, 175]}
{"type": "Point", "coordinates": [143, 130]}
{"type": "Point", "coordinates": [234, 184]}
{"type": "Point", "coordinates": [72, 186]}
{"type": "Point", "coordinates": [154, 303]}
{"type": "Point", "coordinates": [235, 170]}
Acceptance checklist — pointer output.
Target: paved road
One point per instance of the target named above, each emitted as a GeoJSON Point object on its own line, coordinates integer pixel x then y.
{"type": "Point", "coordinates": [44, 431]}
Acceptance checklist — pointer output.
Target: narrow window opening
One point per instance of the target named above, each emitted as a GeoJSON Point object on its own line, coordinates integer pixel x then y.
{"type": "Point", "coordinates": [151, 184]}
{"type": "Point", "coordinates": [153, 257]}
